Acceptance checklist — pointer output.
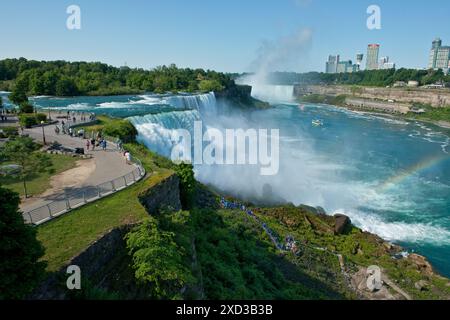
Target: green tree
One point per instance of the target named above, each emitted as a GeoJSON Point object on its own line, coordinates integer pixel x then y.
{"type": "Point", "coordinates": [26, 107]}
{"type": "Point", "coordinates": [24, 152]}
{"type": "Point", "coordinates": [210, 85]}
{"type": "Point", "coordinates": [158, 260]}
{"type": "Point", "coordinates": [188, 184]}
{"type": "Point", "coordinates": [20, 268]}
{"type": "Point", "coordinates": [66, 87]}
{"type": "Point", "coordinates": [19, 94]}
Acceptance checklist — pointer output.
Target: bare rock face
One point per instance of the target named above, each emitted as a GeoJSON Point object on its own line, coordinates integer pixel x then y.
{"type": "Point", "coordinates": [422, 285]}
{"type": "Point", "coordinates": [341, 223]}
{"type": "Point", "coordinates": [421, 263]}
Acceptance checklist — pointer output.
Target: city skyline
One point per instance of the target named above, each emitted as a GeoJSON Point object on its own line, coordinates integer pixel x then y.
{"type": "Point", "coordinates": [191, 35]}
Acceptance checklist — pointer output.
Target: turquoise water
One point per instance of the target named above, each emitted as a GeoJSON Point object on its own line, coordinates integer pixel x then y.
{"type": "Point", "coordinates": [392, 177]}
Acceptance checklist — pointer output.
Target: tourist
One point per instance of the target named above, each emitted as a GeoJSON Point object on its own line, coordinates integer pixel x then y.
{"type": "Point", "coordinates": [88, 144]}
{"type": "Point", "coordinates": [103, 144]}
{"type": "Point", "coordinates": [93, 144]}
{"type": "Point", "coordinates": [127, 157]}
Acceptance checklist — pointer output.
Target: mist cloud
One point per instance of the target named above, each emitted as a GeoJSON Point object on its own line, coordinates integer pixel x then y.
{"type": "Point", "coordinates": [284, 54]}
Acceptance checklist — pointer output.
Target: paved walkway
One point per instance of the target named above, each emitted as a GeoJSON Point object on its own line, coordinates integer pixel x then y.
{"type": "Point", "coordinates": [108, 165]}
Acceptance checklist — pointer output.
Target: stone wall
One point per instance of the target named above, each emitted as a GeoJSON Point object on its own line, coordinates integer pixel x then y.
{"type": "Point", "coordinates": [164, 195]}
{"type": "Point", "coordinates": [434, 97]}
{"type": "Point", "coordinates": [90, 262]}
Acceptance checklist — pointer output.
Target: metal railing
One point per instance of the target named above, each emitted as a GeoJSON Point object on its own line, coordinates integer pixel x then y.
{"type": "Point", "coordinates": [73, 200]}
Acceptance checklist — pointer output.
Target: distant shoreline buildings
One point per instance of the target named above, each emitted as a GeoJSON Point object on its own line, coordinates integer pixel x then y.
{"type": "Point", "coordinates": [335, 65]}
{"type": "Point", "coordinates": [439, 56]}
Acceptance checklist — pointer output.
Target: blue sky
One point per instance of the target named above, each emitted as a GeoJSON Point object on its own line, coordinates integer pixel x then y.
{"type": "Point", "coordinates": [221, 35]}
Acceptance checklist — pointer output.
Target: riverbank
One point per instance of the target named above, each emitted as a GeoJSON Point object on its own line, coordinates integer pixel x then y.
{"type": "Point", "coordinates": [381, 108]}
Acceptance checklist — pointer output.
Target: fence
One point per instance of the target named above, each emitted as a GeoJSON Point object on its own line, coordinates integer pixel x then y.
{"type": "Point", "coordinates": [69, 201]}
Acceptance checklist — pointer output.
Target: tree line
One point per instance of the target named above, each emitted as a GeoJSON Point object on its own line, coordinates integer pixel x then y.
{"type": "Point", "coordinates": [62, 78]}
{"type": "Point", "coordinates": [375, 78]}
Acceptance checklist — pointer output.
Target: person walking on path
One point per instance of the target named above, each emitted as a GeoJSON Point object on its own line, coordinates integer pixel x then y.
{"type": "Point", "coordinates": [88, 144]}
{"type": "Point", "coordinates": [104, 145]}
{"type": "Point", "coordinates": [127, 157]}
{"type": "Point", "coordinates": [93, 144]}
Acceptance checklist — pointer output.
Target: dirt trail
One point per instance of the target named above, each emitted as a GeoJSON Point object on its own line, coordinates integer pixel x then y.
{"type": "Point", "coordinates": [64, 180]}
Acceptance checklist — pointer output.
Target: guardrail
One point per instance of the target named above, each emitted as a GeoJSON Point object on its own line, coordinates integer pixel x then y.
{"type": "Point", "coordinates": [70, 201]}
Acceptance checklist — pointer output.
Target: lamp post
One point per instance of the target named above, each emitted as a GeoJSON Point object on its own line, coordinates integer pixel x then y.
{"type": "Point", "coordinates": [43, 133]}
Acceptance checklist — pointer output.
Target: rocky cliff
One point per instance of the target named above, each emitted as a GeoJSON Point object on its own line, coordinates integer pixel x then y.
{"type": "Point", "coordinates": [436, 98]}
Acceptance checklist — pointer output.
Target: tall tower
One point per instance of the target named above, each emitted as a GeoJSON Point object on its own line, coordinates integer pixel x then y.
{"type": "Point", "coordinates": [359, 60]}
{"type": "Point", "coordinates": [373, 52]}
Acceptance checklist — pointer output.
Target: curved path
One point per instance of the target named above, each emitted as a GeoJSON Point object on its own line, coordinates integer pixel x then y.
{"type": "Point", "coordinates": [104, 167]}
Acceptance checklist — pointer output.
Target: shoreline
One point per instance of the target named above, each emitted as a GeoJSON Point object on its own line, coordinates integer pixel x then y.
{"type": "Point", "coordinates": [438, 123]}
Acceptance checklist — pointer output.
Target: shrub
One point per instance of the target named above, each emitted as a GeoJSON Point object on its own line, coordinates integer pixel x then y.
{"type": "Point", "coordinates": [210, 85]}
{"type": "Point", "coordinates": [188, 184]}
{"type": "Point", "coordinates": [158, 260]}
{"type": "Point", "coordinates": [41, 117]}
{"type": "Point", "coordinates": [7, 132]}
{"type": "Point", "coordinates": [122, 129]}
{"type": "Point", "coordinates": [27, 120]}
{"type": "Point", "coordinates": [26, 108]}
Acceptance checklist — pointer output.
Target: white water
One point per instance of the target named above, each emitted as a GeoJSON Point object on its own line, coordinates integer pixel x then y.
{"type": "Point", "coordinates": [272, 93]}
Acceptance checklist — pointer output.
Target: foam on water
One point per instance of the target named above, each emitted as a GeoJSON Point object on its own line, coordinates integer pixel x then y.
{"type": "Point", "coordinates": [399, 231]}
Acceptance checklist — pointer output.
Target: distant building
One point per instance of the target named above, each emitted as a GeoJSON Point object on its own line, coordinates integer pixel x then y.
{"type": "Point", "coordinates": [335, 65]}
{"type": "Point", "coordinates": [386, 64]}
{"type": "Point", "coordinates": [400, 84]}
{"type": "Point", "coordinates": [359, 60]}
{"type": "Point", "coordinates": [373, 52]}
{"type": "Point", "coordinates": [413, 84]}
{"type": "Point", "coordinates": [332, 64]}
{"type": "Point", "coordinates": [345, 67]}
{"type": "Point", "coordinates": [439, 56]}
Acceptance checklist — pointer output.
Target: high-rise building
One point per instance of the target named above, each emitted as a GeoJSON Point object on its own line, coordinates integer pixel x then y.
{"type": "Point", "coordinates": [373, 51]}
{"type": "Point", "coordinates": [332, 64]}
{"type": "Point", "coordinates": [335, 65]}
{"type": "Point", "coordinates": [439, 56]}
{"type": "Point", "coordinates": [345, 67]}
{"type": "Point", "coordinates": [386, 64]}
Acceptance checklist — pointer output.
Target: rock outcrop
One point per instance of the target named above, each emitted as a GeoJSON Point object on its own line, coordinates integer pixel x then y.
{"type": "Point", "coordinates": [164, 195]}
{"type": "Point", "coordinates": [342, 222]}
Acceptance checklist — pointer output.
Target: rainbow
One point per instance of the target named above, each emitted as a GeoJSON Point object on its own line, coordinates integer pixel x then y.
{"type": "Point", "coordinates": [414, 169]}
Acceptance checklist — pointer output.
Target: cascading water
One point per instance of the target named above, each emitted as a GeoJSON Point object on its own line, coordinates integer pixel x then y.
{"type": "Point", "coordinates": [273, 93]}
{"type": "Point", "coordinates": [203, 103]}
{"type": "Point", "coordinates": [156, 130]}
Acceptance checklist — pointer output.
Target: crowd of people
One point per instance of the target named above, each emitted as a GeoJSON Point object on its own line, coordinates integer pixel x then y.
{"type": "Point", "coordinates": [290, 243]}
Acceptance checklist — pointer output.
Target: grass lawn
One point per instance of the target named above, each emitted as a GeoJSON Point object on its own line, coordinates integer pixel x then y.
{"type": "Point", "coordinates": [70, 234]}
{"type": "Point", "coordinates": [40, 182]}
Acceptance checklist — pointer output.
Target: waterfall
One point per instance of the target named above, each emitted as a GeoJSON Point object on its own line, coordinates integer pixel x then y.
{"type": "Point", "coordinates": [203, 103]}
{"type": "Point", "coordinates": [156, 130]}
{"type": "Point", "coordinates": [273, 93]}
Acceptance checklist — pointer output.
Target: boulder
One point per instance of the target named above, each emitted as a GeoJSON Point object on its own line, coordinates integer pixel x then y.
{"type": "Point", "coordinates": [341, 223]}
{"type": "Point", "coordinates": [421, 264]}
{"type": "Point", "coordinates": [422, 285]}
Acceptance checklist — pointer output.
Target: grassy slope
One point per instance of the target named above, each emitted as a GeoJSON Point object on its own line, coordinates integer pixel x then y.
{"type": "Point", "coordinates": [40, 182]}
{"type": "Point", "coordinates": [68, 235]}
{"type": "Point", "coordinates": [358, 249]}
